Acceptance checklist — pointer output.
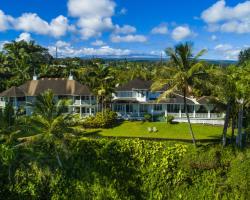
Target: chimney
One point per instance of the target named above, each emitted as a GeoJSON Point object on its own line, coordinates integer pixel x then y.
{"type": "Point", "coordinates": [71, 76]}
{"type": "Point", "coordinates": [34, 75]}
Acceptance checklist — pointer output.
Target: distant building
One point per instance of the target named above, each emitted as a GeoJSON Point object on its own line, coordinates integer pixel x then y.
{"type": "Point", "coordinates": [130, 101]}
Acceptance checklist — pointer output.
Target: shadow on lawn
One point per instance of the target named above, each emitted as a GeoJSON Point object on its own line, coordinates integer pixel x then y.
{"type": "Point", "coordinates": [94, 133]}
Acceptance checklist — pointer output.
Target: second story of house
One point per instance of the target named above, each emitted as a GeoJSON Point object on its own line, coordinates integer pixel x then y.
{"type": "Point", "coordinates": [138, 90]}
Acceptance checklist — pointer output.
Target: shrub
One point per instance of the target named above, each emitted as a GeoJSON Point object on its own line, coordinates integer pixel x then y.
{"type": "Point", "coordinates": [170, 119]}
{"type": "Point", "coordinates": [147, 117]}
{"type": "Point", "coordinates": [105, 119]}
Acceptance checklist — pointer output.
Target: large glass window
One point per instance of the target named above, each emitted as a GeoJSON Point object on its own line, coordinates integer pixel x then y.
{"type": "Point", "coordinates": [158, 107]}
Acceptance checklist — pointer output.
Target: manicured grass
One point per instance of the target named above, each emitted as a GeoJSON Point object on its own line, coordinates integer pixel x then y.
{"type": "Point", "coordinates": [170, 131]}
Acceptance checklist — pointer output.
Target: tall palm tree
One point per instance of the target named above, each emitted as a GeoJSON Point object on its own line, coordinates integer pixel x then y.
{"type": "Point", "coordinates": [101, 81]}
{"type": "Point", "coordinates": [225, 93]}
{"type": "Point", "coordinates": [180, 78]}
{"type": "Point", "coordinates": [49, 122]}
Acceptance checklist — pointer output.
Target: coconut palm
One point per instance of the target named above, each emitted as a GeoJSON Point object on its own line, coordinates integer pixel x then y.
{"type": "Point", "coordinates": [102, 82]}
{"type": "Point", "coordinates": [226, 92]}
{"type": "Point", "coordinates": [49, 122]}
{"type": "Point", "coordinates": [181, 76]}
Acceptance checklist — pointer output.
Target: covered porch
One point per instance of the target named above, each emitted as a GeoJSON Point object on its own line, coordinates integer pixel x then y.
{"type": "Point", "coordinates": [136, 110]}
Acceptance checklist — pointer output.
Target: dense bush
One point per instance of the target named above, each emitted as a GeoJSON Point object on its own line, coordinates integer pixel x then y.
{"type": "Point", "coordinates": [147, 117]}
{"type": "Point", "coordinates": [170, 119]}
{"type": "Point", "coordinates": [124, 169]}
{"type": "Point", "coordinates": [105, 119]}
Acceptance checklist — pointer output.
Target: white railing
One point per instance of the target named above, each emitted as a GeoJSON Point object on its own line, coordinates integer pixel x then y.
{"type": "Point", "coordinates": [202, 115]}
{"type": "Point", "coordinates": [176, 115]}
{"type": "Point", "coordinates": [84, 103]}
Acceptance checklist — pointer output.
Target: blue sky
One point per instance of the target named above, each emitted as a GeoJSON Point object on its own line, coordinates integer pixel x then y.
{"type": "Point", "coordinates": [128, 27]}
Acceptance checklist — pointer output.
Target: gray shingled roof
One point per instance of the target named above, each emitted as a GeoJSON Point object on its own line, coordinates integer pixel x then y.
{"type": "Point", "coordinates": [12, 92]}
{"type": "Point", "coordinates": [59, 86]}
{"type": "Point", "coordinates": [135, 84]}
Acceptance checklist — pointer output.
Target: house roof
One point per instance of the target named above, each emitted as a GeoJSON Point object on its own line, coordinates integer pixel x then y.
{"type": "Point", "coordinates": [178, 99]}
{"type": "Point", "coordinates": [206, 100]}
{"type": "Point", "coordinates": [135, 84]}
{"type": "Point", "coordinates": [12, 92]}
{"type": "Point", "coordinates": [59, 86]}
{"type": "Point", "coordinates": [138, 84]}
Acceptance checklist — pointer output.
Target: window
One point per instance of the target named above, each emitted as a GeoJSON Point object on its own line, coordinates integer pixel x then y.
{"type": "Point", "coordinates": [143, 108]}
{"type": "Point", "coordinates": [20, 98]}
{"type": "Point", "coordinates": [158, 107]}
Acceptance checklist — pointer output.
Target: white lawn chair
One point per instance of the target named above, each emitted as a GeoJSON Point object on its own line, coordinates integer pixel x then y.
{"type": "Point", "coordinates": [150, 129]}
{"type": "Point", "coordinates": [155, 129]}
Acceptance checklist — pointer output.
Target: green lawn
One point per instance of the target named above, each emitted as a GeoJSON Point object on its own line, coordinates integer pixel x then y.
{"type": "Point", "coordinates": [170, 131]}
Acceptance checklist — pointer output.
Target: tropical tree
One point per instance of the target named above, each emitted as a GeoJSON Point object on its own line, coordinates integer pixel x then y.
{"type": "Point", "coordinates": [22, 58]}
{"type": "Point", "coordinates": [49, 122]}
{"type": "Point", "coordinates": [181, 76]}
{"type": "Point", "coordinates": [101, 80]}
{"type": "Point", "coordinates": [244, 56]}
{"type": "Point", "coordinates": [9, 124]}
{"type": "Point", "coordinates": [225, 92]}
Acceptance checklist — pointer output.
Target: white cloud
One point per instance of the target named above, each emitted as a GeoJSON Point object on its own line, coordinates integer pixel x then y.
{"type": "Point", "coordinates": [24, 36]}
{"type": "Point", "coordinates": [94, 16]}
{"type": "Point", "coordinates": [213, 37]}
{"type": "Point", "coordinates": [31, 22]}
{"type": "Point", "coordinates": [128, 38]}
{"type": "Point", "coordinates": [4, 21]}
{"type": "Point", "coordinates": [161, 29]}
{"type": "Point", "coordinates": [59, 26]}
{"type": "Point", "coordinates": [98, 43]}
{"type": "Point", "coordinates": [62, 44]}
{"type": "Point", "coordinates": [2, 43]}
{"type": "Point", "coordinates": [126, 29]}
{"type": "Point", "coordinates": [228, 51]}
{"type": "Point", "coordinates": [223, 47]}
{"type": "Point", "coordinates": [67, 50]}
{"type": "Point", "coordinates": [181, 32]}
{"type": "Point", "coordinates": [221, 17]}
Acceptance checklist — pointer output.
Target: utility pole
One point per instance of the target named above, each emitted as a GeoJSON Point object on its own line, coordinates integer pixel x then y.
{"type": "Point", "coordinates": [161, 58]}
{"type": "Point", "coordinates": [56, 53]}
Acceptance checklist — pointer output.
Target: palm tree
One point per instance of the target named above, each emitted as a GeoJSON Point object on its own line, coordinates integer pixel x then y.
{"type": "Point", "coordinates": [102, 82]}
{"type": "Point", "coordinates": [49, 122]}
{"type": "Point", "coordinates": [225, 93]}
{"type": "Point", "coordinates": [180, 78]}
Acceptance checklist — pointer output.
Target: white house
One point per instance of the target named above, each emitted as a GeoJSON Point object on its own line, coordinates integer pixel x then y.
{"type": "Point", "coordinates": [131, 100]}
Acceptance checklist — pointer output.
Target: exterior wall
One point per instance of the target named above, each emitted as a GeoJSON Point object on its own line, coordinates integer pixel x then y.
{"type": "Point", "coordinates": [87, 105]}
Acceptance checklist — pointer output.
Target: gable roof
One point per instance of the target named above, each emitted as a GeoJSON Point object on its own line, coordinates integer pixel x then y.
{"type": "Point", "coordinates": [59, 86]}
{"type": "Point", "coordinates": [135, 84]}
{"type": "Point", "coordinates": [12, 92]}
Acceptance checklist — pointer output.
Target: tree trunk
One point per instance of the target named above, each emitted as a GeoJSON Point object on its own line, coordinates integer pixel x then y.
{"type": "Point", "coordinates": [58, 158]}
{"type": "Point", "coordinates": [233, 128]}
{"type": "Point", "coordinates": [224, 133]}
{"type": "Point", "coordinates": [189, 123]}
{"type": "Point", "coordinates": [240, 116]}
{"type": "Point", "coordinates": [9, 173]}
